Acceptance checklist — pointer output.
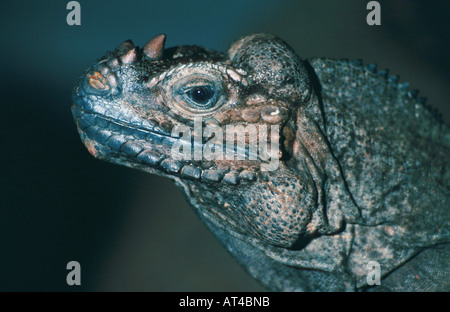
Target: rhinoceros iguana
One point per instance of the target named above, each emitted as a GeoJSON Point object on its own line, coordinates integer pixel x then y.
{"type": "Point", "coordinates": [316, 175]}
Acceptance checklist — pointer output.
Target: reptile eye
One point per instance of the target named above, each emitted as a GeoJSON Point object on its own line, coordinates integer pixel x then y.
{"type": "Point", "coordinates": [197, 92]}
{"type": "Point", "coordinates": [201, 96]}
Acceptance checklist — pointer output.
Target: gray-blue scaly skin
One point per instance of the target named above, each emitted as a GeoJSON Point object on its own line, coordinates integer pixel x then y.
{"type": "Point", "coordinates": [363, 169]}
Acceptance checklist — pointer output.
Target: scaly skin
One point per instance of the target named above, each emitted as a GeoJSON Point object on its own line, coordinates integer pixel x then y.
{"type": "Point", "coordinates": [362, 165]}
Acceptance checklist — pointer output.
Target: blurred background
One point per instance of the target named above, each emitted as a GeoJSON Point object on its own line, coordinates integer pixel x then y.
{"type": "Point", "coordinates": [131, 231]}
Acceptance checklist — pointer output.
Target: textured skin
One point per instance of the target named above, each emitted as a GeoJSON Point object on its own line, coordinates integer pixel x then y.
{"type": "Point", "coordinates": [363, 169]}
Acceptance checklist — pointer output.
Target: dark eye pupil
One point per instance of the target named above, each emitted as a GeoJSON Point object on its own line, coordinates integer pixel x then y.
{"type": "Point", "coordinates": [201, 95]}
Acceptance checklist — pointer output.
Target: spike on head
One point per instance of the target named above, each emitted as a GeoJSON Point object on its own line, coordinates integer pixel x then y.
{"type": "Point", "coordinates": [129, 57]}
{"type": "Point", "coordinates": [155, 47]}
{"type": "Point", "coordinates": [124, 47]}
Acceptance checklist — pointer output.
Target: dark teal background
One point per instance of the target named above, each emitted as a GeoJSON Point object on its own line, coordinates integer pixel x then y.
{"type": "Point", "coordinates": [129, 230]}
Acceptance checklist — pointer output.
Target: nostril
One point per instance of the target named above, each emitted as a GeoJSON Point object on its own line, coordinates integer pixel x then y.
{"type": "Point", "coordinates": [97, 81]}
{"type": "Point", "coordinates": [101, 81]}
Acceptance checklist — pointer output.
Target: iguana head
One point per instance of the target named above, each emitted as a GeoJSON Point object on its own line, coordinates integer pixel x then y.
{"type": "Point", "coordinates": [167, 111]}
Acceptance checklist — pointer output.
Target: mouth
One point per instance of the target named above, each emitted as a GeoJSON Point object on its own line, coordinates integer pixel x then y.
{"type": "Point", "coordinates": [141, 148]}
{"type": "Point", "coordinates": [110, 139]}
{"type": "Point", "coordinates": [87, 119]}
{"type": "Point", "coordinates": [148, 149]}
